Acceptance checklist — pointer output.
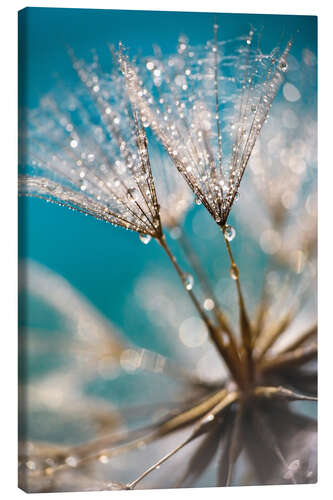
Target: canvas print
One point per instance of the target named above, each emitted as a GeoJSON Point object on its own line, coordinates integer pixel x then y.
{"type": "Point", "coordinates": [167, 250]}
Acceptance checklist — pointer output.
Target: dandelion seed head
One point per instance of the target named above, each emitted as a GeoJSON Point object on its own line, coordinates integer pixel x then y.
{"type": "Point", "coordinates": [91, 143]}
{"type": "Point", "coordinates": [213, 102]}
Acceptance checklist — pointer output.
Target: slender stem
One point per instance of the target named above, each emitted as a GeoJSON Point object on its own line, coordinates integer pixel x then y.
{"type": "Point", "coordinates": [202, 426]}
{"type": "Point", "coordinates": [132, 485]}
{"type": "Point", "coordinates": [114, 445]}
{"type": "Point", "coordinates": [267, 340]}
{"type": "Point", "coordinates": [213, 332]}
{"type": "Point", "coordinates": [207, 288]}
{"type": "Point", "coordinates": [311, 332]}
{"type": "Point", "coordinates": [194, 261]}
{"type": "Point", "coordinates": [182, 276]}
{"type": "Point", "coordinates": [281, 393]}
{"type": "Point", "coordinates": [244, 321]}
{"type": "Point", "coordinates": [290, 358]}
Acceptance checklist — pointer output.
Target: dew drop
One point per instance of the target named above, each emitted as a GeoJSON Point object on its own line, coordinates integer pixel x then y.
{"type": "Point", "coordinates": [103, 459]}
{"type": "Point", "coordinates": [31, 465]}
{"type": "Point", "coordinates": [197, 201]}
{"type": "Point", "coordinates": [283, 65]}
{"type": "Point", "coordinates": [234, 273]}
{"type": "Point", "coordinates": [72, 461]}
{"type": "Point", "coordinates": [132, 195]}
{"type": "Point", "coordinates": [144, 238]}
{"type": "Point", "coordinates": [208, 419]}
{"type": "Point", "coordinates": [229, 232]}
{"type": "Point", "coordinates": [209, 304]}
{"type": "Point", "coordinates": [236, 197]}
{"type": "Point", "coordinates": [188, 281]}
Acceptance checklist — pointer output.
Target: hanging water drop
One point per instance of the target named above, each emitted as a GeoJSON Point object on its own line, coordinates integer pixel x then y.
{"type": "Point", "coordinates": [229, 233]}
{"type": "Point", "coordinates": [236, 197]}
{"type": "Point", "coordinates": [197, 201]}
{"type": "Point", "coordinates": [144, 238]}
{"type": "Point", "coordinates": [234, 273]}
{"type": "Point", "coordinates": [283, 65]}
{"type": "Point", "coordinates": [132, 195]}
{"type": "Point", "coordinates": [188, 281]}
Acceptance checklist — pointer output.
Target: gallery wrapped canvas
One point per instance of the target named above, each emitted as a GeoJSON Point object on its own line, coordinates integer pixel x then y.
{"type": "Point", "coordinates": [169, 338]}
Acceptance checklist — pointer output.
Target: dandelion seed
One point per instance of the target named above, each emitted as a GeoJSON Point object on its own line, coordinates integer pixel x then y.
{"type": "Point", "coordinates": [107, 141]}
{"type": "Point", "coordinates": [229, 92]}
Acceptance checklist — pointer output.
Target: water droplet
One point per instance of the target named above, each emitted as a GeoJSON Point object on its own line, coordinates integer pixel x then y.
{"type": "Point", "coordinates": [234, 273]}
{"type": "Point", "coordinates": [188, 281]}
{"type": "Point", "coordinates": [103, 459]}
{"type": "Point", "coordinates": [72, 461]}
{"type": "Point", "coordinates": [208, 419]}
{"type": "Point", "coordinates": [30, 464]}
{"type": "Point", "coordinates": [144, 238]}
{"type": "Point", "coordinates": [236, 197]}
{"type": "Point", "coordinates": [229, 232]}
{"type": "Point", "coordinates": [197, 201]}
{"type": "Point", "coordinates": [209, 304]}
{"type": "Point", "coordinates": [283, 65]}
{"type": "Point", "coordinates": [132, 195]}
